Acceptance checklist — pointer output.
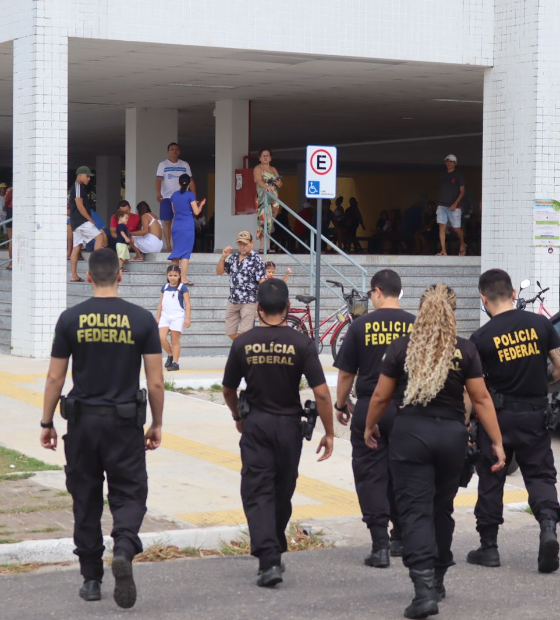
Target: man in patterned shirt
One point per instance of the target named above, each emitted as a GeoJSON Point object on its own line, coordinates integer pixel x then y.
{"type": "Point", "coordinates": [246, 272]}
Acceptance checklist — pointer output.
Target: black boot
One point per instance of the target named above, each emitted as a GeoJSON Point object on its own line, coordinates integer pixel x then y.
{"type": "Point", "coordinates": [396, 549]}
{"type": "Point", "coordinates": [439, 574]}
{"type": "Point", "coordinates": [125, 588]}
{"type": "Point", "coordinates": [270, 577]}
{"type": "Point", "coordinates": [487, 554]}
{"type": "Point", "coordinates": [91, 590]}
{"type": "Point", "coordinates": [379, 556]}
{"type": "Point", "coordinates": [548, 547]}
{"type": "Point", "coordinates": [424, 603]}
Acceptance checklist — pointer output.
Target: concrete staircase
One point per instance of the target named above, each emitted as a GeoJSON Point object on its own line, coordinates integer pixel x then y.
{"type": "Point", "coordinates": [141, 285]}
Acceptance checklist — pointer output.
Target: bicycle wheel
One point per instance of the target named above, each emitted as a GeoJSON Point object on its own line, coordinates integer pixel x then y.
{"type": "Point", "coordinates": [297, 324]}
{"type": "Point", "coordinates": [338, 337]}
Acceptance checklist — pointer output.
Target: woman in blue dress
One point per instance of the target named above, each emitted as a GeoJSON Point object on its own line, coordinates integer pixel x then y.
{"type": "Point", "coordinates": [185, 209]}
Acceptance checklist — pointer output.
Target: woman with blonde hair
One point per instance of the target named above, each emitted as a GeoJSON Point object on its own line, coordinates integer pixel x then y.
{"type": "Point", "coordinates": [429, 439]}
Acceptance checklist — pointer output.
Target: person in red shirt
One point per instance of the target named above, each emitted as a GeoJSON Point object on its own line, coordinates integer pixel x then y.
{"type": "Point", "coordinates": [133, 223]}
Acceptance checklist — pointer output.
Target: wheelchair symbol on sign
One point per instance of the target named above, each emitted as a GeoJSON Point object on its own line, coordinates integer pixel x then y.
{"type": "Point", "coordinates": [313, 187]}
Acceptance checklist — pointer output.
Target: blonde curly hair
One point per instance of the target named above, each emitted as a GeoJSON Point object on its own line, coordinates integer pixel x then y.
{"type": "Point", "coordinates": [432, 345]}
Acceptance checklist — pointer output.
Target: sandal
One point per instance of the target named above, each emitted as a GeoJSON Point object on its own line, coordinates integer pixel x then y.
{"type": "Point", "coordinates": [463, 252]}
{"type": "Point", "coordinates": [9, 267]}
{"type": "Point", "coordinates": [189, 283]}
{"type": "Point", "coordinates": [441, 254]}
{"type": "Point", "coordinates": [78, 280]}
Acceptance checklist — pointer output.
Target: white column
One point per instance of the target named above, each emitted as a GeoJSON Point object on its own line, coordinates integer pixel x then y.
{"type": "Point", "coordinates": [148, 132]}
{"type": "Point", "coordinates": [40, 145]}
{"type": "Point", "coordinates": [108, 169]}
{"type": "Point", "coordinates": [521, 144]}
{"type": "Point", "coordinates": [232, 129]}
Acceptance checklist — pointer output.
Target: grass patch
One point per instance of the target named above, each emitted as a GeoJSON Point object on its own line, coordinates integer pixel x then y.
{"type": "Point", "coordinates": [15, 477]}
{"type": "Point", "coordinates": [30, 509]}
{"type": "Point", "coordinates": [216, 387]}
{"type": "Point", "coordinates": [528, 510]}
{"type": "Point", "coordinates": [18, 569]}
{"type": "Point", "coordinates": [61, 494]}
{"type": "Point", "coordinates": [169, 385]}
{"type": "Point", "coordinates": [8, 541]}
{"type": "Point", "coordinates": [298, 540]}
{"type": "Point", "coordinates": [44, 530]}
{"type": "Point", "coordinates": [21, 463]}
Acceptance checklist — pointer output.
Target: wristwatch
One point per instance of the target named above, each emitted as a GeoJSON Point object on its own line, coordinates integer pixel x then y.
{"type": "Point", "coordinates": [47, 424]}
{"type": "Point", "coordinates": [340, 408]}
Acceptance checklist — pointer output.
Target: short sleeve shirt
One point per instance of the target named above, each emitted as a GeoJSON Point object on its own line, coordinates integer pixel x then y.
{"type": "Point", "coordinates": [514, 347]}
{"type": "Point", "coordinates": [465, 364]}
{"type": "Point", "coordinates": [106, 338]}
{"type": "Point", "coordinates": [451, 183]}
{"type": "Point", "coordinates": [173, 301]}
{"type": "Point", "coordinates": [244, 277]}
{"type": "Point", "coordinates": [170, 172]}
{"type": "Point", "coordinates": [365, 344]}
{"type": "Point", "coordinates": [122, 229]}
{"type": "Point", "coordinates": [272, 360]}
{"type": "Point", "coordinates": [76, 218]}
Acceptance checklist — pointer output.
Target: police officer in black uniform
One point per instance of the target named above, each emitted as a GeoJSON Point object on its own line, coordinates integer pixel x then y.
{"type": "Point", "coordinates": [362, 350]}
{"type": "Point", "coordinates": [107, 339]}
{"type": "Point", "coordinates": [272, 358]}
{"type": "Point", "coordinates": [514, 347]}
{"type": "Point", "coordinates": [429, 439]}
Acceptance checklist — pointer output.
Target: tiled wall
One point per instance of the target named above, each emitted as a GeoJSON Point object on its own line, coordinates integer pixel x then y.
{"type": "Point", "coordinates": [430, 30]}
{"type": "Point", "coordinates": [521, 144]}
{"type": "Point", "coordinates": [40, 156]}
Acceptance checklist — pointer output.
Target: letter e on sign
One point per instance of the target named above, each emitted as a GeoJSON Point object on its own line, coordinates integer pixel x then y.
{"type": "Point", "coordinates": [320, 179]}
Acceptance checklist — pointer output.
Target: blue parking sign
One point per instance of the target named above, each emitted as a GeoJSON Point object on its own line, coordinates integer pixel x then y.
{"type": "Point", "coordinates": [313, 188]}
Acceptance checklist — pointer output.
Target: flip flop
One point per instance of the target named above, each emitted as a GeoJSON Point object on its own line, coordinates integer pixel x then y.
{"type": "Point", "coordinates": [441, 254]}
{"type": "Point", "coordinates": [78, 280]}
{"type": "Point", "coordinates": [189, 283]}
{"type": "Point", "coordinates": [9, 268]}
{"type": "Point", "coordinates": [137, 260]}
{"type": "Point", "coordinates": [463, 252]}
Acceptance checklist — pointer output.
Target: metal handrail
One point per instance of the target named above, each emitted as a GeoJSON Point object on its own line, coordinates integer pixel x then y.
{"type": "Point", "coordinates": [310, 248]}
{"type": "Point", "coordinates": [5, 242]}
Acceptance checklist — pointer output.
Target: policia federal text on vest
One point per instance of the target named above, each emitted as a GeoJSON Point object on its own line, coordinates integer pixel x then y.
{"type": "Point", "coordinates": [106, 411]}
{"type": "Point", "coordinates": [272, 421]}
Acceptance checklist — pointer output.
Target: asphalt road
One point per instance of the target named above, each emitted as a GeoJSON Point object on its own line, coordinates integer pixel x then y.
{"type": "Point", "coordinates": [319, 585]}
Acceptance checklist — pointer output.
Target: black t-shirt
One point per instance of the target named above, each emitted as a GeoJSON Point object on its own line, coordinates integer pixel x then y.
{"type": "Point", "coordinates": [513, 347]}
{"type": "Point", "coordinates": [76, 218]}
{"type": "Point", "coordinates": [464, 365]}
{"type": "Point", "coordinates": [272, 360]}
{"type": "Point", "coordinates": [451, 183]}
{"type": "Point", "coordinates": [106, 338]}
{"type": "Point", "coordinates": [366, 342]}
{"type": "Point", "coordinates": [122, 228]}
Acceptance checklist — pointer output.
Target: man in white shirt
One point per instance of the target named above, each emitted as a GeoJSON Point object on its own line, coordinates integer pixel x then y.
{"type": "Point", "coordinates": [167, 183]}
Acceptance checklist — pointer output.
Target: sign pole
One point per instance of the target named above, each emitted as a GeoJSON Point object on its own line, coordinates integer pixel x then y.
{"type": "Point", "coordinates": [318, 270]}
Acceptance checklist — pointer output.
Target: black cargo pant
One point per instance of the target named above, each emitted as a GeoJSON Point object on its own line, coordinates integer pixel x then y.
{"type": "Point", "coordinates": [372, 476]}
{"type": "Point", "coordinates": [96, 445]}
{"type": "Point", "coordinates": [427, 456]}
{"type": "Point", "coordinates": [524, 434]}
{"type": "Point", "coordinates": [270, 453]}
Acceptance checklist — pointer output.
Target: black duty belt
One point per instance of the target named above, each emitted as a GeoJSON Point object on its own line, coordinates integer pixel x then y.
{"type": "Point", "coordinates": [97, 409]}
{"type": "Point", "coordinates": [527, 401]}
{"type": "Point", "coordinates": [442, 413]}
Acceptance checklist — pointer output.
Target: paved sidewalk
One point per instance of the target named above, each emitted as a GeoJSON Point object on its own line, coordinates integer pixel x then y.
{"type": "Point", "coordinates": [195, 475]}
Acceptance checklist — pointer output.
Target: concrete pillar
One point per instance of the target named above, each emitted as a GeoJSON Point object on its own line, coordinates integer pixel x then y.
{"type": "Point", "coordinates": [148, 132]}
{"type": "Point", "coordinates": [108, 169]}
{"type": "Point", "coordinates": [40, 145]}
{"type": "Point", "coordinates": [232, 129]}
{"type": "Point", "coordinates": [521, 143]}
{"type": "Point", "coordinates": [301, 168]}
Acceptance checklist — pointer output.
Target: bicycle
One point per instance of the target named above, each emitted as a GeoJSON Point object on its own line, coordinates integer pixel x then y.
{"type": "Point", "coordinates": [521, 303]}
{"type": "Point", "coordinates": [355, 305]}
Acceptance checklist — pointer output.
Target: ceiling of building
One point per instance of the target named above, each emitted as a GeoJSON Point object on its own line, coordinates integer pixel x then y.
{"type": "Point", "coordinates": [296, 100]}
